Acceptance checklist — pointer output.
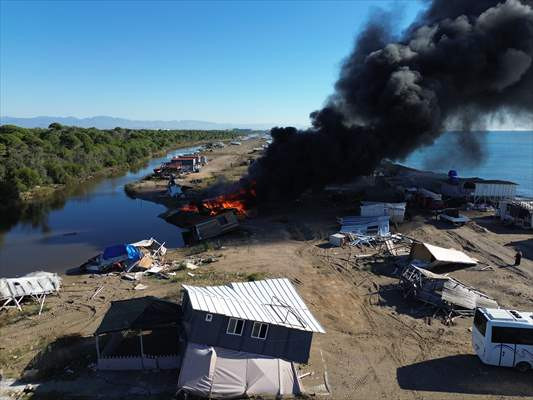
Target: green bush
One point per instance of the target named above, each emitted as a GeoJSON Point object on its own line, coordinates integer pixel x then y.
{"type": "Point", "coordinates": [61, 154]}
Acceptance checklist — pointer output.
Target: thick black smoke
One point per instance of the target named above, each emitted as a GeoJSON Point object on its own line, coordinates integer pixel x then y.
{"type": "Point", "coordinates": [461, 60]}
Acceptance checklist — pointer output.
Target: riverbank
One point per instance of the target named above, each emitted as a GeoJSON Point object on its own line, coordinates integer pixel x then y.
{"type": "Point", "coordinates": [377, 343]}
{"type": "Point", "coordinates": [226, 165]}
{"type": "Point", "coordinates": [43, 193]}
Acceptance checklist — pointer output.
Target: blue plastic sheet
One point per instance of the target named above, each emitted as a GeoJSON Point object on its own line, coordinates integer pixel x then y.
{"type": "Point", "coordinates": [122, 250]}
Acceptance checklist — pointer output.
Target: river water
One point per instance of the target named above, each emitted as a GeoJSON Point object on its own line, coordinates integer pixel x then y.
{"type": "Point", "coordinates": [78, 224]}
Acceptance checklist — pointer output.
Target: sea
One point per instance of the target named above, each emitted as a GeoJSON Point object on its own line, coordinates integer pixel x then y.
{"type": "Point", "coordinates": [504, 155]}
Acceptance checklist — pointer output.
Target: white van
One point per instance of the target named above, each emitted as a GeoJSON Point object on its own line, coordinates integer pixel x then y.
{"type": "Point", "coordinates": [504, 337]}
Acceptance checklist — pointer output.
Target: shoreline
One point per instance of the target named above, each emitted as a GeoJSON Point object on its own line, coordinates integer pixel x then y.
{"type": "Point", "coordinates": [45, 192]}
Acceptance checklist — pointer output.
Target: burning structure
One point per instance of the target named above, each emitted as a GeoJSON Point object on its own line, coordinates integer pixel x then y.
{"type": "Point", "coordinates": [460, 62]}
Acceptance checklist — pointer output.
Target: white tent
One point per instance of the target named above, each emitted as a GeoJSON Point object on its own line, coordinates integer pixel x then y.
{"type": "Point", "coordinates": [220, 373]}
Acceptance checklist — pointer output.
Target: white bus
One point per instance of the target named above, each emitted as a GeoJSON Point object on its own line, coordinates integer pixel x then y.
{"type": "Point", "coordinates": [504, 337]}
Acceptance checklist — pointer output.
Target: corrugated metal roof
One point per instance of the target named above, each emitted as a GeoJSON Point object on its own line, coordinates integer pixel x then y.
{"type": "Point", "coordinates": [274, 301]}
{"type": "Point", "coordinates": [36, 283]}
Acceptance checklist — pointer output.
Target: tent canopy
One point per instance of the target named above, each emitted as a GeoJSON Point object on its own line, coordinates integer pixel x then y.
{"type": "Point", "coordinates": [220, 373]}
{"type": "Point", "coordinates": [127, 251]}
{"type": "Point", "coordinates": [141, 313]}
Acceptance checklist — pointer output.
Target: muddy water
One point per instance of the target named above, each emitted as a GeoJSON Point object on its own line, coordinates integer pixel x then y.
{"type": "Point", "coordinates": [75, 225]}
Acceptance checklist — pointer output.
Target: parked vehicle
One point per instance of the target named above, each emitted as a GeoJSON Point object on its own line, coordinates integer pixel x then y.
{"type": "Point", "coordinates": [504, 337]}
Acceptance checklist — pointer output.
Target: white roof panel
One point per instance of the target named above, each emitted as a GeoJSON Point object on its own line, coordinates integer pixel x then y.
{"type": "Point", "coordinates": [36, 283]}
{"type": "Point", "coordinates": [273, 301]}
{"type": "Point", "coordinates": [443, 255]}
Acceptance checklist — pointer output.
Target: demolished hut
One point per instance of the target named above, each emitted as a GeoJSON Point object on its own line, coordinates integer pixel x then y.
{"type": "Point", "coordinates": [243, 339]}
{"type": "Point", "coordinates": [125, 257]}
{"type": "Point", "coordinates": [442, 291]}
{"type": "Point", "coordinates": [140, 333]}
{"type": "Point", "coordinates": [430, 256]}
{"type": "Point", "coordinates": [36, 285]}
{"type": "Point", "coordinates": [518, 212]}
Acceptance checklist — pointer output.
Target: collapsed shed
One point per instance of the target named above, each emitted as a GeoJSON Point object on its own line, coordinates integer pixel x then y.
{"type": "Point", "coordinates": [442, 291]}
{"type": "Point", "coordinates": [36, 285]}
{"type": "Point", "coordinates": [139, 333]}
{"type": "Point", "coordinates": [433, 256]}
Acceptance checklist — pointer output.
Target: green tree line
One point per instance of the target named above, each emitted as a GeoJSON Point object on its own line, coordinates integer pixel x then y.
{"type": "Point", "coordinates": [65, 154]}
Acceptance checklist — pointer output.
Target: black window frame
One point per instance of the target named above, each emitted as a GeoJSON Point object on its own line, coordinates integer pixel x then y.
{"type": "Point", "coordinates": [262, 333]}
{"type": "Point", "coordinates": [238, 323]}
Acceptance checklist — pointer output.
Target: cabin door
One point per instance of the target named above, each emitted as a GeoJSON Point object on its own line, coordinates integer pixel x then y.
{"type": "Point", "coordinates": [507, 355]}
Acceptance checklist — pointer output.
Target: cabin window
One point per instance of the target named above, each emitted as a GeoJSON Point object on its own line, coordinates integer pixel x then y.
{"type": "Point", "coordinates": [208, 317]}
{"type": "Point", "coordinates": [235, 326]}
{"type": "Point", "coordinates": [480, 322]}
{"type": "Point", "coordinates": [501, 334]}
{"type": "Point", "coordinates": [259, 330]}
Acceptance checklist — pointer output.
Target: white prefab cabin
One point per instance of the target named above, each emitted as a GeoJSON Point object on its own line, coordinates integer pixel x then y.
{"type": "Point", "coordinates": [504, 337]}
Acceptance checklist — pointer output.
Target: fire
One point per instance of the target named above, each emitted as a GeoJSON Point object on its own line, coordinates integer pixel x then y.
{"type": "Point", "coordinates": [237, 201]}
{"type": "Point", "coordinates": [190, 208]}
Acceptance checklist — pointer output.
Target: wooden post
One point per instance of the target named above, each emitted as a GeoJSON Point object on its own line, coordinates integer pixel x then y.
{"type": "Point", "coordinates": [142, 348]}
{"type": "Point", "coordinates": [42, 304]}
{"type": "Point", "coordinates": [97, 348]}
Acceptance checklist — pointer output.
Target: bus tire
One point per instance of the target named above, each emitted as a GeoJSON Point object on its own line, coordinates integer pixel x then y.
{"type": "Point", "coordinates": [523, 366]}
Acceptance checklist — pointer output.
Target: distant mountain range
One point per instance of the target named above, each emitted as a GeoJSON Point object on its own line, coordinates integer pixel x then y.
{"type": "Point", "coordinates": [105, 122]}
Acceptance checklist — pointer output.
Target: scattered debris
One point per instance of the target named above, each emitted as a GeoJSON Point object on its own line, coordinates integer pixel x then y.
{"type": "Point", "coordinates": [140, 286]}
{"type": "Point", "coordinates": [451, 215]}
{"type": "Point", "coordinates": [191, 266]}
{"type": "Point", "coordinates": [337, 239]}
{"type": "Point", "coordinates": [442, 291]}
{"type": "Point", "coordinates": [125, 257]}
{"type": "Point", "coordinates": [137, 276]}
{"type": "Point", "coordinates": [97, 290]}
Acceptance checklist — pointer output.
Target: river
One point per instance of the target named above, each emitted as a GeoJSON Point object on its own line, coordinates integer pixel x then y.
{"type": "Point", "coordinates": [78, 223]}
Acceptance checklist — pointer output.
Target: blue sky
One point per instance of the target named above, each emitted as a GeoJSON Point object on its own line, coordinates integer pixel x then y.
{"type": "Point", "coordinates": [239, 62]}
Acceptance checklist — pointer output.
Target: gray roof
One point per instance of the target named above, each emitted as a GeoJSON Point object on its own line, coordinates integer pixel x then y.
{"type": "Point", "coordinates": [273, 301]}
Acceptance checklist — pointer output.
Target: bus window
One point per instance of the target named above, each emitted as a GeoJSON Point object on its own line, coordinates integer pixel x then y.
{"type": "Point", "coordinates": [502, 334]}
{"type": "Point", "coordinates": [480, 322]}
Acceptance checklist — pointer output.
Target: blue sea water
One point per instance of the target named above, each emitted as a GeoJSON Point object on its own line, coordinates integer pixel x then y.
{"type": "Point", "coordinates": [506, 155]}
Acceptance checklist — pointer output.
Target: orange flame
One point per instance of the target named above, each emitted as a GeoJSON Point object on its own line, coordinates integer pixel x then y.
{"type": "Point", "coordinates": [235, 201]}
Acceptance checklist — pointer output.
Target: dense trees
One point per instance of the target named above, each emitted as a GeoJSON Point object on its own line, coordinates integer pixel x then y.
{"type": "Point", "coordinates": [62, 154]}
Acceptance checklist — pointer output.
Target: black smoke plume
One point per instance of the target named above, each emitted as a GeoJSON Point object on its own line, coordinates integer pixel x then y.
{"type": "Point", "coordinates": [461, 60]}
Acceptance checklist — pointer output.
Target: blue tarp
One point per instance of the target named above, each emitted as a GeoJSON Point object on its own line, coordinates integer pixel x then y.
{"type": "Point", "coordinates": [122, 250]}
